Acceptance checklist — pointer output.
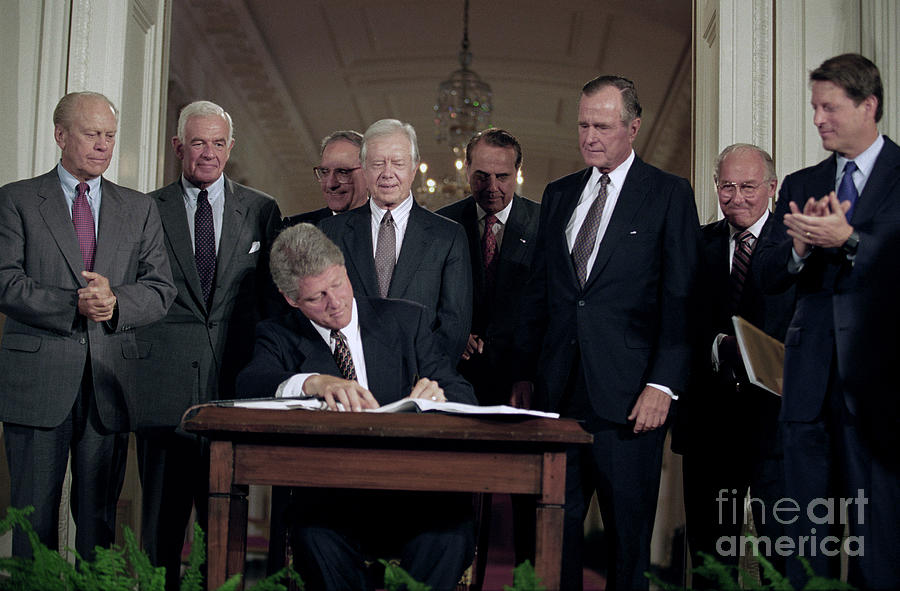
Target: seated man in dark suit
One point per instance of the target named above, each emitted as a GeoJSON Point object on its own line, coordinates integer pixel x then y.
{"type": "Point", "coordinates": [356, 354]}
{"type": "Point", "coordinates": [340, 177]}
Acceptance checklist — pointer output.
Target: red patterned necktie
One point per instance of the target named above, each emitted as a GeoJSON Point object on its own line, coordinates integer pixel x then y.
{"type": "Point", "coordinates": [342, 356]}
{"type": "Point", "coordinates": [587, 234]}
{"type": "Point", "coordinates": [83, 219]}
{"type": "Point", "coordinates": [740, 264]}
{"type": "Point", "coordinates": [204, 243]}
{"type": "Point", "coordinates": [489, 252]}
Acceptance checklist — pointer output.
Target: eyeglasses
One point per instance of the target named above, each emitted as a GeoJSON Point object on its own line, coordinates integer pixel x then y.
{"type": "Point", "coordinates": [746, 189]}
{"type": "Point", "coordinates": [343, 175]}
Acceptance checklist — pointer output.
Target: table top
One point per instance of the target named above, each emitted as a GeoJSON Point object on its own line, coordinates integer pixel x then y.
{"type": "Point", "coordinates": [219, 422]}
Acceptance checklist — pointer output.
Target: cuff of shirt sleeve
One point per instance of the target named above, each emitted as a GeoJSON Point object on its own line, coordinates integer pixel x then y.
{"type": "Point", "coordinates": [795, 265]}
{"type": "Point", "coordinates": [293, 386]}
{"type": "Point", "coordinates": [665, 389]}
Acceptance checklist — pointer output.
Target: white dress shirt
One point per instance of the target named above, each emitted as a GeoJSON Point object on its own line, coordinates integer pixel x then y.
{"type": "Point", "coordinates": [215, 194]}
{"type": "Point", "coordinates": [70, 191]}
{"type": "Point", "coordinates": [401, 219]}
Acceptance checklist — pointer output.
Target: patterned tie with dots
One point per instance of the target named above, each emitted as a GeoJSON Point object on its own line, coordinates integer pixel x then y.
{"type": "Point", "coordinates": [83, 220]}
{"type": "Point", "coordinates": [205, 244]}
{"type": "Point", "coordinates": [342, 356]}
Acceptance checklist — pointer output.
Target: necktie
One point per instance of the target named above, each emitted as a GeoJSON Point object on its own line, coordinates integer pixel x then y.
{"type": "Point", "coordinates": [83, 220]}
{"type": "Point", "coordinates": [342, 356]}
{"type": "Point", "coordinates": [204, 244]}
{"type": "Point", "coordinates": [489, 252]}
{"type": "Point", "coordinates": [847, 189]}
{"type": "Point", "coordinates": [740, 264]}
{"type": "Point", "coordinates": [385, 253]}
{"type": "Point", "coordinates": [587, 234]}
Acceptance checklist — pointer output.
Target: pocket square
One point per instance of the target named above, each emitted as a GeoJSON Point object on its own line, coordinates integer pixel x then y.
{"type": "Point", "coordinates": [254, 247]}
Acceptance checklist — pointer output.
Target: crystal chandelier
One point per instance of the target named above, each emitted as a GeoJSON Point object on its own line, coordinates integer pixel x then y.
{"type": "Point", "coordinates": [464, 101]}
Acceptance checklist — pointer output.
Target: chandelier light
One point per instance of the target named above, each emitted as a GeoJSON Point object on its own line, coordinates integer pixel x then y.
{"type": "Point", "coordinates": [464, 101]}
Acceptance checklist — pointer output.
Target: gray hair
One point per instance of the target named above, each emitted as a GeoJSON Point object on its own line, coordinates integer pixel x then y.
{"type": "Point", "coordinates": [347, 135]}
{"type": "Point", "coordinates": [203, 109]}
{"type": "Point", "coordinates": [385, 127]}
{"type": "Point", "coordinates": [631, 105]}
{"type": "Point", "coordinates": [301, 251]}
{"type": "Point", "coordinates": [743, 148]}
{"type": "Point", "coordinates": [65, 108]}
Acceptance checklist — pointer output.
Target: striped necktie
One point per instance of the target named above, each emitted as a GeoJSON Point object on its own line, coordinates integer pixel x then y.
{"type": "Point", "coordinates": [740, 265]}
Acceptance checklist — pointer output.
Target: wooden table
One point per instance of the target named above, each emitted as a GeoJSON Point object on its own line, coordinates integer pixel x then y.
{"type": "Point", "coordinates": [406, 451]}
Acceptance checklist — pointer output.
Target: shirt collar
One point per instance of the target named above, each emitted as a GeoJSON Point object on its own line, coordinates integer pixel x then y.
{"type": "Point", "coordinates": [616, 176]}
{"type": "Point", "coordinates": [755, 228]}
{"type": "Point", "coordinates": [865, 162]}
{"type": "Point", "coordinates": [215, 190]}
{"type": "Point", "coordinates": [70, 183]}
{"type": "Point", "coordinates": [349, 331]}
{"type": "Point", "coordinates": [502, 215]}
{"type": "Point", "coordinates": [399, 213]}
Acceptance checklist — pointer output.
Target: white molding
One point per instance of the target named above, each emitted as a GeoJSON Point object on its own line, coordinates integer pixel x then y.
{"type": "Point", "coordinates": [880, 37]}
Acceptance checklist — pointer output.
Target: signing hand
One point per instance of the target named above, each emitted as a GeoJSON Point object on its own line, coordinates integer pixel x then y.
{"type": "Point", "coordinates": [334, 390]}
{"type": "Point", "coordinates": [428, 389]}
{"type": "Point", "coordinates": [97, 302]}
{"type": "Point", "coordinates": [650, 410]}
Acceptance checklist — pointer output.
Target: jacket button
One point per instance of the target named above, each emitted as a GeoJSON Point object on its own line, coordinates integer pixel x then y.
{"type": "Point", "coordinates": [82, 341]}
{"type": "Point", "coordinates": [195, 364]}
{"type": "Point", "coordinates": [581, 303]}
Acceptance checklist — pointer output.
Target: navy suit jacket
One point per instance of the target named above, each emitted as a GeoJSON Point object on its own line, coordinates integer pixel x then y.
{"type": "Point", "coordinates": [398, 346]}
{"type": "Point", "coordinates": [845, 307]}
{"type": "Point", "coordinates": [495, 315]}
{"type": "Point", "coordinates": [432, 269]}
{"type": "Point", "coordinates": [193, 354]}
{"type": "Point", "coordinates": [46, 342]}
{"type": "Point", "coordinates": [714, 408]}
{"type": "Point", "coordinates": [630, 322]}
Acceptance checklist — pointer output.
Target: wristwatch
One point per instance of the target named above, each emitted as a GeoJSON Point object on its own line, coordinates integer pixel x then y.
{"type": "Point", "coordinates": [851, 244]}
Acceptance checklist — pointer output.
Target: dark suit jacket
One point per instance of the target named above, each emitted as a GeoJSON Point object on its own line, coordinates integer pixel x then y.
{"type": "Point", "coordinates": [850, 309]}
{"type": "Point", "coordinates": [46, 343]}
{"type": "Point", "coordinates": [432, 269]}
{"type": "Point", "coordinates": [194, 353]}
{"type": "Point", "coordinates": [716, 412]}
{"type": "Point", "coordinates": [631, 320]}
{"type": "Point", "coordinates": [310, 217]}
{"type": "Point", "coordinates": [397, 343]}
{"type": "Point", "coordinates": [495, 315]}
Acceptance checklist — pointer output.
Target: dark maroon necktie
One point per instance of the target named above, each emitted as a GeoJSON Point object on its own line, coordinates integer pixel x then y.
{"type": "Point", "coordinates": [83, 219]}
{"type": "Point", "coordinates": [489, 252]}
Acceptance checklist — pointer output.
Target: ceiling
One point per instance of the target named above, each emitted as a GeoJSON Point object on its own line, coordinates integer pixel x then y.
{"type": "Point", "coordinates": [309, 67]}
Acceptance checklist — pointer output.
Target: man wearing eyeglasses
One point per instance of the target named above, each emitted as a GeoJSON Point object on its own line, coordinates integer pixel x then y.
{"type": "Point", "coordinates": [339, 175]}
{"type": "Point", "coordinates": [727, 429]}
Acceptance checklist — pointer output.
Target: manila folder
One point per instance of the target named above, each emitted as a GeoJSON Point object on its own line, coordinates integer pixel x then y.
{"type": "Point", "coordinates": [763, 356]}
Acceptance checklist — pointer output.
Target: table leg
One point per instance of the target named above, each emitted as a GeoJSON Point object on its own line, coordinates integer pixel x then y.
{"type": "Point", "coordinates": [221, 475]}
{"type": "Point", "coordinates": [549, 515]}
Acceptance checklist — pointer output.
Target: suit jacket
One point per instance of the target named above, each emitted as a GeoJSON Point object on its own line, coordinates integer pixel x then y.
{"type": "Point", "coordinates": [398, 346]}
{"type": "Point", "coordinates": [495, 315]}
{"type": "Point", "coordinates": [432, 269]}
{"type": "Point", "coordinates": [194, 353]}
{"type": "Point", "coordinates": [46, 343]}
{"type": "Point", "coordinates": [842, 306]}
{"type": "Point", "coordinates": [631, 319]}
{"type": "Point", "coordinates": [717, 409]}
{"type": "Point", "coordinates": [310, 217]}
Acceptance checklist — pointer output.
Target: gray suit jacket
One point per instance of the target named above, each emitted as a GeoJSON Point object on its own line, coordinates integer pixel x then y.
{"type": "Point", "coordinates": [46, 343]}
{"type": "Point", "coordinates": [194, 353]}
{"type": "Point", "coordinates": [433, 268]}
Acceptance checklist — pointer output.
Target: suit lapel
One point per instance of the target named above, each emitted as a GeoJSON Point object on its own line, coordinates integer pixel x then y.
{"type": "Point", "coordinates": [109, 230]}
{"type": "Point", "coordinates": [413, 249]}
{"type": "Point", "coordinates": [59, 223]}
{"type": "Point", "coordinates": [469, 220]}
{"type": "Point", "coordinates": [170, 202]}
{"type": "Point", "coordinates": [233, 219]}
{"type": "Point", "coordinates": [568, 201]}
{"type": "Point", "coordinates": [314, 350]}
{"type": "Point", "coordinates": [885, 174]}
{"type": "Point", "coordinates": [357, 241]}
{"type": "Point", "coordinates": [631, 197]}
{"type": "Point", "coordinates": [515, 236]}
